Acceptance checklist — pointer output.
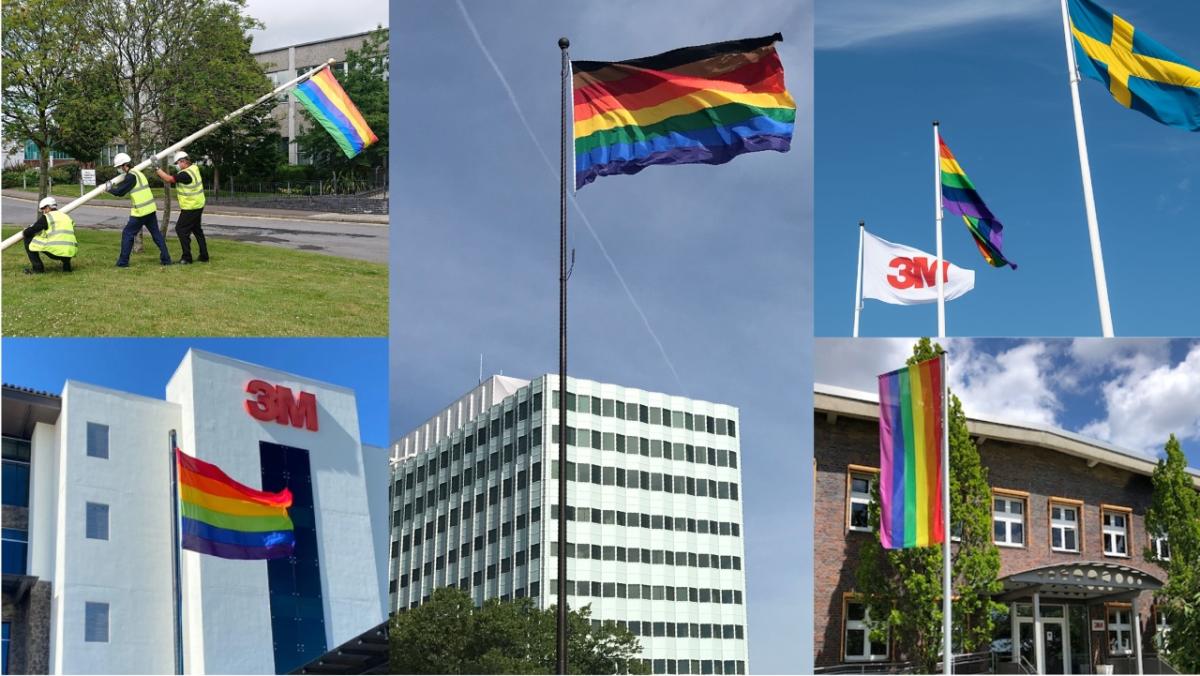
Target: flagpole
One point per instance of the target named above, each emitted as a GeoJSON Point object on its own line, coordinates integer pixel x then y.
{"type": "Point", "coordinates": [1089, 200]}
{"type": "Point", "coordinates": [862, 228]}
{"type": "Point", "coordinates": [947, 625]}
{"type": "Point", "coordinates": [940, 268]}
{"type": "Point", "coordinates": [175, 563]}
{"type": "Point", "coordinates": [561, 633]}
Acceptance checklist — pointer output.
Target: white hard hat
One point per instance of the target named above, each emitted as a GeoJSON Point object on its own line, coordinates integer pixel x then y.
{"type": "Point", "coordinates": [180, 156]}
{"type": "Point", "coordinates": [48, 202]}
{"type": "Point", "coordinates": [121, 159]}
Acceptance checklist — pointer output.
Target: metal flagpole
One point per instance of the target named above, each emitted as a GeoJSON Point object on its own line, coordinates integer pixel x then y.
{"type": "Point", "coordinates": [947, 589]}
{"type": "Point", "coordinates": [940, 268]}
{"type": "Point", "coordinates": [94, 192]}
{"type": "Point", "coordinates": [561, 637]}
{"type": "Point", "coordinates": [177, 581]}
{"type": "Point", "coordinates": [1089, 200]}
{"type": "Point", "coordinates": [862, 228]}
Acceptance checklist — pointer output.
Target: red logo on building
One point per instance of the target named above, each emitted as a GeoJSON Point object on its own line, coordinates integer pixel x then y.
{"type": "Point", "coordinates": [276, 402]}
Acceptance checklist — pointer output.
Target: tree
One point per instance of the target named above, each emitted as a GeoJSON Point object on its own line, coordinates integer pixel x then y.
{"type": "Point", "coordinates": [366, 83]}
{"type": "Point", "coordinates": [450, 635]}
{"type": "Point", "coordinates": [40, 39]}
{"type": "Point", "coordinates": [902, 588]}
{"type": "Point", "coordinates": [89, 119]}
{"type": "Point", "coordinates": [1175, 513]}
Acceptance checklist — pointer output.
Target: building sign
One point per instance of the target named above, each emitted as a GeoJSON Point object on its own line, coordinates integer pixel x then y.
{"type": "Point", "coordinates": [277, 403]}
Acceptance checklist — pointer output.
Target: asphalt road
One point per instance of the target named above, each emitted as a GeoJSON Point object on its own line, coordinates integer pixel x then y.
{"type": "Point", "coordinates": [362, 241]}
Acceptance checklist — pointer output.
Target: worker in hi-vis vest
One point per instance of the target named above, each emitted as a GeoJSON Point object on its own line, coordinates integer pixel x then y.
{"type": "Point", "coordinates": [190, 190]}
{"type": "Point", "coordinates": [53, 234]}
{"type": "Point", "coordinates": [143, 211]}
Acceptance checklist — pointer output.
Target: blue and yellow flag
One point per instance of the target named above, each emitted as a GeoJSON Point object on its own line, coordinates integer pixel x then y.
{"type": "Point", "coordinates": [1140, 73]}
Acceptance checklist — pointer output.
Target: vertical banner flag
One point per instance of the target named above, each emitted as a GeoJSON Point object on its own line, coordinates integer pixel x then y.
{"type": "Point", "coordinates": [224, 518]}
{"type": "Point", "coordinates": [902, 275]}
{"type": "Point", "coordinates": [329, 105]}
{"type": "Point", "coordinates": [703, 104]}
{"type": "Point", "coordinates": [910, 456]}
{"type": "Point", "coordinates": [960, 197]}
{"type": "Point", "coordinates": [1140, 73]}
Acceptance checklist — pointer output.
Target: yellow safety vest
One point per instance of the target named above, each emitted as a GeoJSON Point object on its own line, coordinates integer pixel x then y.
{"type": "Point", "coordinates": [58, 238]}
{"type": "Point", "coordinates": [141, 198]}
{"type": "Point", "coordinates": [191, 195]}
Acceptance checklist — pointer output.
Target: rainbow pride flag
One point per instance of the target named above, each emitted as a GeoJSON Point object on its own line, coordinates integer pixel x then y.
{"type": "Point", "coordinates": [329, 105]}
{"type": "Point", "coordinates": [704, 104]}
{"type": "Point", "coordinates": [224, 518]}
{"type": "Point", "coordinates": [910, 456]}
{"type": "Point", "coordinates": [960, 197]}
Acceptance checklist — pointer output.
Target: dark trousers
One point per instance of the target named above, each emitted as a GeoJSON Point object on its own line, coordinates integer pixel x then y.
{"type": "Point", "coordinates": [136, 223]}
{"type": "Point", "coordinates": [35, 259]}
{"type": "Point", "coordinates": [188, 225]}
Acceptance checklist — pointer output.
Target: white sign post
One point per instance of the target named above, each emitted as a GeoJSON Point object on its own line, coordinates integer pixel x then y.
{"type": "Point", "coordinates": [88, 176]}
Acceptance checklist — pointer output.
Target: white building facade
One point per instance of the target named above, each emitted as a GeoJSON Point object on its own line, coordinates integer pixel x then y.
{"type": "Point", "coordinates": [100, 529]}
{"type": "Point", "coordinates": [654, 512]}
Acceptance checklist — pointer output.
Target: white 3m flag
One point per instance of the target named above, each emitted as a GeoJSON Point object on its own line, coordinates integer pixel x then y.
{"type": "Point", "coordinates": [902, 275]}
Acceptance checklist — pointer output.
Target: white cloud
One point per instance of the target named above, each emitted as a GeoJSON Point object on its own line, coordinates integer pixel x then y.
{"type": "Point", "coordinates": [1147, 402]}
{"type": "Point", "coordinates": [289, 23]}
{"type": "Point", "coordinates": [849, 24]}
{"type": "Point", "coordinates": [857, 362]}
{"type": "Point", "coordinates": [1016, 384]}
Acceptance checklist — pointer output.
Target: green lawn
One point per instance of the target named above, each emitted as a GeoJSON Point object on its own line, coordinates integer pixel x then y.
{"type": "Point", "coordinates": [69, 191]}
{"type": "Point", "coordinates": [246, 290]}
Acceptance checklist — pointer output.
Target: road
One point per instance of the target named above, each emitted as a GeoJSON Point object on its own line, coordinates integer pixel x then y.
{"type": "Point", "coordinates": [361, 241]}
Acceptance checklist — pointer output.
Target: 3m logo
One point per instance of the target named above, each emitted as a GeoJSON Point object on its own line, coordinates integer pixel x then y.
{"type": "Point", "coordinates": [275, 402]}
{"type": "Point", "coordinates": [916, 273]}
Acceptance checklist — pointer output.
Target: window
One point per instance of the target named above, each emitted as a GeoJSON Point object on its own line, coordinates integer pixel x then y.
{"type": "Point", "coordinates": [16, 472]}
{"type": "Point", "coordinates": [1120, 631]}
{"type": "Point", "coordinates": [95, 622]}
{"type": "Point", "coordinates": [1115, 522]}
{"type": "Point", "coordinates": [857, 645]}
{"type": "Point", "coordinates": [1160, 547]}
{"type": "Point", "coordinates": [4, 657]}
{"type": "Point", "coordinates": [16, 549]}
{"type": "Point", "coordinates": [97, 440]}
{"type": "Point", "coordinates": [1064, 525]}
{"type": "Point", "coordinates": [859, 482]}
{"type": "Point", "coordinates": [97, 521]}
{"type": "Point", "coordinates": [1008, 518]}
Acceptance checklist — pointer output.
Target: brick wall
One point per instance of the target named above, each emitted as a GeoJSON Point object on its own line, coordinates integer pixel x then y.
{"type": "Point", "coordinates": [1042, 473]}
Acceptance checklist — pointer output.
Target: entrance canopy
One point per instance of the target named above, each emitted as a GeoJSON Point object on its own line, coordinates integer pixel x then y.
{"type": "Point", "coordinates": [1083, 581]}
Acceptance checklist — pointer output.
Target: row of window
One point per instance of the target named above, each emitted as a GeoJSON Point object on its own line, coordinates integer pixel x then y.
{"type": "Point", "coordinates": [492, 463]}
{"type": "Point", "coordinates": [465, 585]}
{"type": "Point", "coordinates": [651, 415]}
{"type": "Point", "coordinates": [579, 550]}
{"type": "Point", "coordinates": [602, 475]}
{"type": "Point", "coordinates": [504, 566]}
{"type": "Point", "coordinates": [668, 666]}
{"type": "Point", "coordinates": [658, 592]}
{"type": "Point", "coordinates": [680, 524]}
{"type": "Point", "coordinates": [493, 535]}
{"type": "Point", "coordinates": [1010, 510]}
{"type": "Point", "coordinates": [650, 448]}
{"type": "Point", "coordinates": [684, 630]}
{"type": "Point", "coordinates": [505, 489]}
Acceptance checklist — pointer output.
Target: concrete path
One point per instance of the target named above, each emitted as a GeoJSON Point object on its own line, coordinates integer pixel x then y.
{"type": "Point", "coordinates": [357, 236]}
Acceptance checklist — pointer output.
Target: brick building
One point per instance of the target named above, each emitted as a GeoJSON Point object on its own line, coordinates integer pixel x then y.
{"type": "Point", "coordinates": [1069, 521]}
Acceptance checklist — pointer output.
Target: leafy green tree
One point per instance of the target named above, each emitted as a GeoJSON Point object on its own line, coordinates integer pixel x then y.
{"type": "Point", "coordinates": [90, 118]}
{"type": "Point", "coordinates": [450, 635]}
{"type": "Point", "coordinates": [1175, 513]}
{"type": "Point", "coordinates": [366, 83]}
{"type": "Point", "coordinates": [902, 588]}
{"type": "Point", "coordinates": [40, 39]}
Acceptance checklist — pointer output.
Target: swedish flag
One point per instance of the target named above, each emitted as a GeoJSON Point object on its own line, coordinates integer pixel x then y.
{"type": "Point", "coordinates": [1140, 73]}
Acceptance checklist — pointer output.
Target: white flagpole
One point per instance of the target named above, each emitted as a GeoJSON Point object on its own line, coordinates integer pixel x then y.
{"type": "Point", "coordinates": [862, 228]}
{"type": "Point", "coordinates": [940, 272]}
{"type": "Point", "coordinates": [1089, 201]}
{"type": "Point", "coordinates": [176, 576]}
{"type": "Point", "coordinates": [80, 201]}
{"type": "Point", "coordinates": [947, 590]}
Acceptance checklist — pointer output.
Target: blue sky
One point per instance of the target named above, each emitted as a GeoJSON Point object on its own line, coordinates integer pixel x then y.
{"type": "Point", "coordinates": [144, 365]}
{"type": "Point", "coordinates": [716, 257]}
{"type": "Point", "coordinates": [994, 74]}
{"type": "Point", "coordinates": [1131, 392]}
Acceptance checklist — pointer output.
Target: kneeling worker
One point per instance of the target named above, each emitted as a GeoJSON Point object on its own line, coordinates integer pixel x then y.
{"type": "Point", "coordinates": [142, 212]}
{"type": "Point", "coordinates": [190, 189]}
{"type": "Point", "coordinates": [53, 234]}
